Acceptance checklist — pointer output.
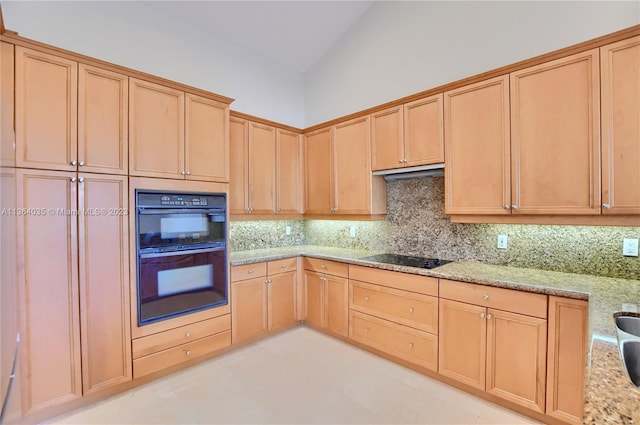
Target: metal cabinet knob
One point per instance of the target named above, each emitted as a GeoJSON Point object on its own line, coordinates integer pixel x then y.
{"type": "Point", "coordinates": [250, 272]}
{"type": "Point", "coordinates": [506, 207]}
{"type": "Point", "coordinates": [514, 207]}
{"type": "Point", "coordinates": [188, 334]}
{"type": "Point", "coordinates": [81, 163]}
{"type": "Point", "coordinates": [366, 330]}
{"type": "Point", "coordinates": [410, 309]}
{"type": "Point", "coordinates": [486, 297]}
{"type": "Point", "coordinates": [410, 345]}
{"type": "Point", "coordinates": [188, 352]}
{"type": "Point", "coordinates": [322, 266]}
{"type": "Point", "coordinates": [284, 266]}
{"type": "Point", "coordinates": [81, 180]}
{"type": "Point", "coordinates": [489, 316]}
{"type": "Point", "coordinates": [74, 163]}
{"type": "Point", "coordinates": [482, 315]}
{"type": "Point", "coordinates": [188, 173]}
{"type": "Point", "coordinates": [365, 299]}
{"type": "Point", "coordinates": [606, 206]}
{"type": "Point", "coordinates": [183, 172]}
{"type": "Point", "coordinates": [73, 179]}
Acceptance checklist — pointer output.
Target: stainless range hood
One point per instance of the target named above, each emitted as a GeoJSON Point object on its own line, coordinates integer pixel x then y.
{"type": "Point", "coordinates": [432, 170]}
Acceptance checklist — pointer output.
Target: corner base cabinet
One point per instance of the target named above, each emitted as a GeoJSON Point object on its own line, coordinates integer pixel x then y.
{"type": "Point", "coordinates": [327, 289]}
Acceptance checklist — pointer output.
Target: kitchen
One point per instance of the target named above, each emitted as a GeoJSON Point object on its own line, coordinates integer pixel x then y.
{"type": "Point", "coordinates": [416, 223]}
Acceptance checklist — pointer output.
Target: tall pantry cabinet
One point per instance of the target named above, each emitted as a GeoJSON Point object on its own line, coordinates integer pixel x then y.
{"type": "Point", "coordinates": [72, 228]}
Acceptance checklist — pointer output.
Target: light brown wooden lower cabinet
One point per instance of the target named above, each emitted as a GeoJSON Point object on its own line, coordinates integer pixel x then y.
{"type": "Point", "coordinates": [263, 298]}
{"type": "Point", "coordinates": [162, 350]}
{"type": "Point", "coordinates": [327, 295]}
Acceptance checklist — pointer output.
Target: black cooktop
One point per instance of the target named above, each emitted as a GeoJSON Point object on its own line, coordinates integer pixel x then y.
{"type": "Point", "coordinates": [407, 260]}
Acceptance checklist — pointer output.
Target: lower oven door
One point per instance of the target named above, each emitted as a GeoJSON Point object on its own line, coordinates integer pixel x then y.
{"type": "Point", "coordinates": [179, 282]}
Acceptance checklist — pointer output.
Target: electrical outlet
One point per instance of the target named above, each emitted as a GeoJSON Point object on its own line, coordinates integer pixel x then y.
{"type": "Point", "coordinates": [352, 231]}
{"type": "Point", "coordinates": [502, 241]}
{"type": "Point", "coordinates": [630, 247]}
{"type": "Point", "coordinates": [287, 230]}
{"type": "Point", "coordinates": [631, 308]}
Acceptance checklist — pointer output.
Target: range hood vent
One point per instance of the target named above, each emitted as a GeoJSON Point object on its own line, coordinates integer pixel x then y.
{"type": "Point", "coordinates": [433, 170]}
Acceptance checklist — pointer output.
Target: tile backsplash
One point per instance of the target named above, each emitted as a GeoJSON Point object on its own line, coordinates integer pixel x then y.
{"type": "Point", "coordinates": [416, 225]}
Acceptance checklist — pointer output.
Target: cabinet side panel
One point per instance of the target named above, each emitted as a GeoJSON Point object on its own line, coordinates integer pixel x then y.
{"type": "Point", "coordinates": [566, 359]}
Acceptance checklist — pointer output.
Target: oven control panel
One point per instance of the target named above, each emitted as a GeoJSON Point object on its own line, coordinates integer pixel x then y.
{"type": "Point", "coordinates": [174, 200]}
{"type": "Point", "coordinates": [183, 201]}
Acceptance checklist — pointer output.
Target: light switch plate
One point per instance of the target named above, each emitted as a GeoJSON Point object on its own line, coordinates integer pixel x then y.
{"type": "Point", "coordinates": [502, 241]}
{"type": "Point", "coordinates": [630, 247]}
{"type": "Point", "coordinates": [352, 231]}
{"type": "Point", "coordinates": [287, 230]}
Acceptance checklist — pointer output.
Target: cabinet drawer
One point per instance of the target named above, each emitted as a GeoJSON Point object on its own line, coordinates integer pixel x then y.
{"type": "Point", "coordinates": [325, 266]}
{"type": "Point", "coordinates": [409, 282]}
{"type": "Point", "coordinates": [182, 353]}
{"type": "Point", "coordinates": [409, 344]}
{"type": "Point", "coordinates": [499, 298]}
{"type": "Point", "coordinates": [248, 271]}
{"type": "Point", "coordinates": [184, 334]}
{"type": "Point", "coordinates": [282, 266]}
{"type": "Point", "coordinates": [415, 310]}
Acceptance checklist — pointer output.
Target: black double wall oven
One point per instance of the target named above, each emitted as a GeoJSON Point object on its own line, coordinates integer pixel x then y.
{"type": "Point", "coordinates": [182, 253]}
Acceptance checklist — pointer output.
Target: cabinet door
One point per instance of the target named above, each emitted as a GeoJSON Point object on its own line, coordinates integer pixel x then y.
{"type": "Point", "coordinates": [289, 172]}
{"type": "Point", "coordinates": [352, 167]}
{"type": "Point", "coordinates": [620, 67]}
{"type": "Point", "coordinates": [156, 130]}
{"type": "Point", "coordinates": [249, 309]}
{"type": "Point", "coordinates": [337, 304]}
{"type": "Point", "coordinates": [50, 360]}
{"type": "Point", "coordinates": [46, 110]}
{"type": "Point", "coordinates": [206, 139]}
{"type": "Point", "coordinates": [104, 281]}
{"type": "Point", "coordinates": [424, 131]}
{"type": "Point", "coordinates": [315, 298]}
{"type": "Point", "coordinates": [7, 106]}
{"type": "Point", "coordinates": [319, 172]}
{"type": "Point", "coordinates": [566, 357]}
{"type": "Point", "coordinates": [103, 113]}
{"type": "Point", "coordinates": [463, 342]}
{"type": "Point", "coordinates": [262, 169]}
{"type": "Point", "coordinates": [387, 139]}
{"type": "Point", "coordinates": [555, 137]}
{"type": "Point", "coordinates": [517, 358]}
{"type": "Point", "coordinates": [282, 300]}
{"type": "Point", "coordinates": [239, 165]}
{"type": "Point", "coordinates": [477, 175]}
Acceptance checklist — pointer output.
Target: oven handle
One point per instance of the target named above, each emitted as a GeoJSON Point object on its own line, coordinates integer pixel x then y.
{"type": "Point", "coordinates": [182, 252]}
{"type": "Point", "coordinates": [143, 211]}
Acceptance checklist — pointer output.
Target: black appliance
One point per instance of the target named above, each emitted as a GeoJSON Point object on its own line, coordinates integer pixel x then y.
{"type": "Point", "coordinates": [182, 253]}
{"type": "Point", "coordinates": [407, 260]}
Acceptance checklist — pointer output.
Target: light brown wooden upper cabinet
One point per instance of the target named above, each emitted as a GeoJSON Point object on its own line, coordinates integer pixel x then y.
{"type": "Point", "coordinates": [7, 105]}
{"type": "Point", "coordinates": [408, 135]}
{"type": "Point", "coordinates": [477, 172]}
{"type": "Point", "coordinates": [319, 171]}
{"type": "Point", "coordinates": [176, 134]}
{"type": "Point", "coordinates": [265, 169]}
{"type": "Point", "coordinates": [343, 185]}
{"type": "Point", "coordinates": [46, 110]}
{"type": "Point", "coordinates": [69, 116]}
{"type": "Point", "coordinates": [620, 109]}
{"type": "Point", "coordinates": [555, 137]}
{"type": "Point", "coordinates": [289, 176]}
{"type": "Point", "coordinates": [75, 318]}
{"type": "Point", "coordinates": [206, 139]}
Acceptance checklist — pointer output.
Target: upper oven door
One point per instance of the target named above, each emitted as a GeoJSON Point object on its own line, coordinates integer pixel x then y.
{"type": "Point", "coordinates": [179, 228]}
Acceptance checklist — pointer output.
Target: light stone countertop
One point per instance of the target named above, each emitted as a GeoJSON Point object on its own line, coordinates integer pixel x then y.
{"type": "Point", "coordinates": [610, 397]}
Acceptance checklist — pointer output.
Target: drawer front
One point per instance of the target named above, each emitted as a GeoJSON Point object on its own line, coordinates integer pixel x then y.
{"type": "Point", "coordinates": [182, 353]}
{"type": "Point", "coordinates": [414, 346]}
{"type": "Point", "coordinates": [415, 310]}
{"type": "Point", "coordinates": [499, 298]}
{"type": "Point", "coordinates": [248, 271]}
{"type": "Point", "coordinates": [333, 268]}
{"type": "Point", "coordinates": [406, 281]}
{"type": "Point", "coordinates": [177, 336]}
{"type": "Point", "coordinates": [282, 266]}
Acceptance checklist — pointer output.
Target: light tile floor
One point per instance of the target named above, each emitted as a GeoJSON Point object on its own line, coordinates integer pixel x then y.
{"type": "Point", "coordinates": [297, 377]}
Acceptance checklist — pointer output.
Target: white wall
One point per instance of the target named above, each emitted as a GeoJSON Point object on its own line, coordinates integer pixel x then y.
{"type": "Point", "coordinates": [140, 37]}
{"type": "Point", "coordinates": [400, 48]}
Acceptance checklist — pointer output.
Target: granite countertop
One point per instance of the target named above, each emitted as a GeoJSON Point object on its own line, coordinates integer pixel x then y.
{"type": "Point", "coordinates": [610, 397]}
